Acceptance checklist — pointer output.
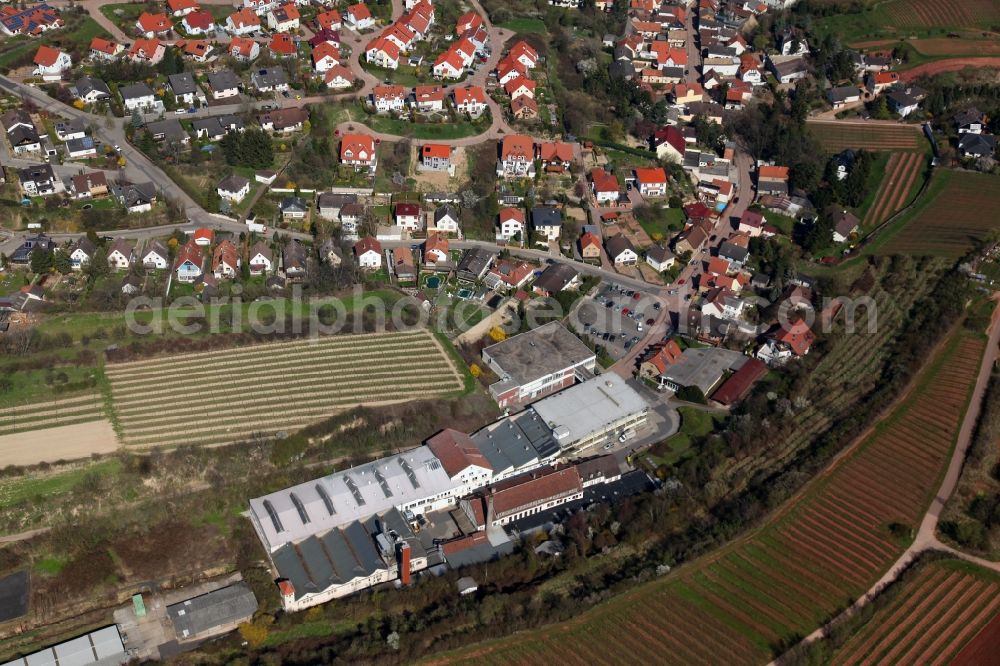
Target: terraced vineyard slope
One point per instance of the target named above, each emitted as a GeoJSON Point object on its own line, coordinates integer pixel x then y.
{"type": "Point", "coordinates": [220, 397]}
{"type": "Point", "coordinates": [742, 604]}
{"type": "Point", "coordinates": [901, 175]}
{"type": "Point", "coordinates": [957, 210]}
{"type": "Point", "coordinates": [70, 410]}
{"type": "Point", "coordinates": [931, 618]}
{"type": "Point", "coordinates": [836, 135]}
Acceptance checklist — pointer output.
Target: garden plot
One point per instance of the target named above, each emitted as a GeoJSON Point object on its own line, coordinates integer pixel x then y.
{"type": "Point", "coordinates": [263, 390]}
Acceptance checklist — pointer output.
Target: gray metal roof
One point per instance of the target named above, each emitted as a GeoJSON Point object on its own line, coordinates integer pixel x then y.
{"type": "Point", "coordinates": [316, 506]}
{"type": "Point", "coordinates": [516, 441]}
{"type": "Point", "coordinates": [216, 609]}
{"type": "Point", "coordinates": [102, 647]}
{"type": "Point", "coordinates": [341, 555]}
{"type": "Point", "coordinates": [586, 408]}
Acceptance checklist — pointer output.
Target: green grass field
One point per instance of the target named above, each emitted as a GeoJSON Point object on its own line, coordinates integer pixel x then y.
{"type": "Point", "coordinates": [412, 130]}
{"type": "Point", "coordinates": [32, 488]}
{"type": "Point", "coordinates": [695, 423]}
{"type": "Point", "coordinates": [522, 25]}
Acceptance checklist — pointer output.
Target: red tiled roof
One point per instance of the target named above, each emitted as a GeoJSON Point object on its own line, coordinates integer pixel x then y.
{"type": "Point", "coordinates": [359, 11]}
{"type": "Point", "coordinates": [734, 388]}
{"type": "Point", "coordinates": [200, 20]}
{"type": "Point", "coordinates": [511, 214]}
{"type": "Point", "coordinates": [408, 209]}
{"type": "Point", "coordinates": [328, 19]}
{"type": "Point", "coordinates": [555, 151]}
{"type": "Point", "coordinates": [46, 56]}
{"type": "Point", "coordinates": [103, 46]}
{"type": "Point", "coordinates": [603, 181]}
{"type": "Point", "coordinates": [467, 94]}
{"type": "Point", "coordinates": [282, 44]}
{"type": "Point", "coordinates": [154, 22]}
{"type": "Point", "coordinates": [367, 244]}
{"type": "Point", "coordinates": [521, 494]}
{"type": "Point", "coordinates": [456, 451]}
{"type": "Point", "coordinates": [588, 239]}
{"type": "Point", "coordinates": [650, 175]}
{"type": "Point", "coordinates": [441, 150]}
{"type": "Point", "coordinates": [774, 172]}
{"type": "Point", "coordinates": [517, 145]}
{"type": "Point", "coordinates": [798, 336]}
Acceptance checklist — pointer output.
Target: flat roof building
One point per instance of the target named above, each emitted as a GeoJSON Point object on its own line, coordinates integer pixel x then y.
{"type": "Point", "coordinates": [536, 363]}
{"type": "Point", "coordinates": [703, 368]}
{"type": "Point", "coordinates": [592, 412]}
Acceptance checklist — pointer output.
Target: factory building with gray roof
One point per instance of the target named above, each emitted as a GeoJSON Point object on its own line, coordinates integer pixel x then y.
{"type": "Point", "coordinates": [537, 363]}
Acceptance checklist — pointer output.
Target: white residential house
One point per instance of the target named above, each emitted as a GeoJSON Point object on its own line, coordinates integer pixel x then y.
{"type": "Point", "coordinates": [50, 63]}
{"type": "Point", "coordinates": [120, 256]}
{"type": "Point", "coordinates": [139, 96]}
{"type": "Point", "coordinates": [155, 256]}
{"type": "Point", "coordinates": [511, 223]}
{"type": "Point", "coordinates": [234, 188]}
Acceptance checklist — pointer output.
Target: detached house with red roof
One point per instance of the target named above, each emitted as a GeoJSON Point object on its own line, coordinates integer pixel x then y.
{"type": "Point", "coordinates": [359, 17]}
{"type": "Point", "coordinates": [103, 49]}
{"type": "Point", "coordinates": [388, 98]}
{"type": "Point", "coordinates": [282, 45]}
{"type": "Point", "coordinates": [329, 20]}
{"type": "Point", "coordinates": [517, 157]}
{"type": "Point", "coordinates": [428, 99]}
{"type": "Point", "coordinates": [508, 274]}
{"type": "Point", "coordinates": [449, 65]}
{"type": "Point", "coordinates": [789, 341]}
{"type": "Point", "coordinates": [663, 356]}
{"type": "Point", "coordinates": [225, 260]}
{"type": "Point", "coordinates": [469, 99]}
{"type": "Point", "coordinates": [407, 215]}
{"type": "Point", "coordinates": [244, 49]}
{"type": "Point", "coordinates": [179, 8]}
{"type": "Point", "coordinates": [511, 223]}
{"type": "Point", "coordinates": [325, 56]}
{"type": "Point", "coordinates": [151, 25]}
{"type": "Point", "coordinates": [339, 77]}
{"type": "Point", "coordinates": [242, 22]}
{"type": "Point", "coordinates": [382, 52]}
{"type": "Point", "coordinates": [435, 157]}
{"type": "Point", "coordinates": [604, 186]}
{"type": "Point", "coordinates": [524, 54]}
{"type": "Point", "coordinates": [358, 151]}
{"type": "Point", "coordinates": [669, 144]}
{"type": "Point", "coordinates": [556, 156]}
{"type": "Point", "coordinates": [368, 252]}
{"type": "Point", "coordinates": [50, 63]}
{"type": "Point", "coordinates": [284, 18]}
{"type": "Point", "coordinates": [652, 181]}
{"type": "Point", "coordinates": [149, 51]}
{"type": "Point", "coordinates": [772, 180]}
{"type": "Point", "coordinates": [189, 262]}
{"type": "Point", "coordinates": [520, 87]}
{"type": "Point", "coordinates": [198, 23]}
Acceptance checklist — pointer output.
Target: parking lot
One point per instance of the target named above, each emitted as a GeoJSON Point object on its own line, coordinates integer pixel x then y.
{"type": "Point", "coordinates": [616, 318]}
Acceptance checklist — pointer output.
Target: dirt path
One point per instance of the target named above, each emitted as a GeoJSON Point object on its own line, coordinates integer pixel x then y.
{"type": "Point", "coordinates": [60, 443]}
{"type": "Point", "coordinates": [926, 538]}
{"type": "Point", "coordinates": [951, 65]}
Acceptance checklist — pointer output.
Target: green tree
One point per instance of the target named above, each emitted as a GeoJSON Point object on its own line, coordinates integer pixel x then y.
{"type": "Point", "coordinates": [61, 262]}
{"type": "Point", "coordinates": [41, 260]}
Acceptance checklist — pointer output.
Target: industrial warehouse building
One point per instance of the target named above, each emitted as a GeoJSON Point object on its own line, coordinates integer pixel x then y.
{"type": "Point", "coordinates": [593, 412]}
{"type": "Point", "coordinates": [103, 647]}
{"type": "Point", "coordinates": [537, 363]}
{"type": "Point", "coordinates": [385, 520]}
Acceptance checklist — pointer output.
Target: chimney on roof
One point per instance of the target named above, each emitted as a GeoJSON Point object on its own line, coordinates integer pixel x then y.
{"type": "Point", "coordinates": [403, 553]}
